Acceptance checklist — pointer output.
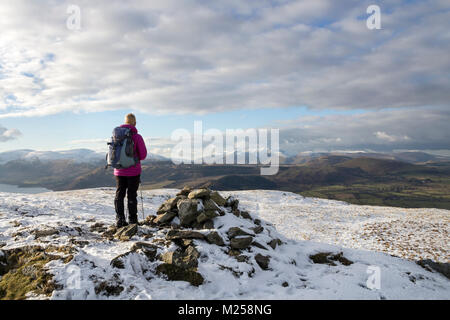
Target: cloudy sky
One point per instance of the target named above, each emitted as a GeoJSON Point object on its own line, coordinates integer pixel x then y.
{"type": "Point", "coordinates": [310, 68]}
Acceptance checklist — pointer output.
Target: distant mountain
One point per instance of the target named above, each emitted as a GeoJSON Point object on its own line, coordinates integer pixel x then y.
{"type": "Point", "coordinates": [77, 155]}
{"type": "Point", "coordinates": [414, 157]}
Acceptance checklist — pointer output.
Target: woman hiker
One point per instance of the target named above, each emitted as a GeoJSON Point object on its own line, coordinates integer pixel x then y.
{"type": "Point", "coordinates": [128, 179]}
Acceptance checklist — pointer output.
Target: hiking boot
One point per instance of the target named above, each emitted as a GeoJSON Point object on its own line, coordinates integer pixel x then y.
{"type": "Point", "coordinates": [133, 220]}
{"type": "Point", "coordinates": [121, 223]}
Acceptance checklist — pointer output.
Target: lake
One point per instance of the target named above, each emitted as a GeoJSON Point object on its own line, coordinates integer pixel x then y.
{"type": "Point", "coordinates": [15, 189]}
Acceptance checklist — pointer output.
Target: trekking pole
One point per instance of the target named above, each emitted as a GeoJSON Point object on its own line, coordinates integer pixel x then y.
{"type": "Point", "coordinates": [142, 202]}
{"type": "Point", "coordinates": [126, 210]}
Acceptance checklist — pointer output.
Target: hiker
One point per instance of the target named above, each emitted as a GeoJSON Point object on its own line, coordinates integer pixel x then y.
{"type": "Point", "coordinates": [128, 179]}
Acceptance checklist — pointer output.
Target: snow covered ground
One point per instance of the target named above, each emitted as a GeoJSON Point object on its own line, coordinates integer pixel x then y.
{"type": "Point", "coordinates": [307, 225]}
{"type": "Point", "coordinates": [408, 233]}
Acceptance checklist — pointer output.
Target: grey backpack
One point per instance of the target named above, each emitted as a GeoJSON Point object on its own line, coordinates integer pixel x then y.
{"type": "Point", "coordinates": [121, 149]}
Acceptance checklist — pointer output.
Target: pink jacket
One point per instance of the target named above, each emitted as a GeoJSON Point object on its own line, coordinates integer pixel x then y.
{"type": "Point", "coordinates": [139, 149]}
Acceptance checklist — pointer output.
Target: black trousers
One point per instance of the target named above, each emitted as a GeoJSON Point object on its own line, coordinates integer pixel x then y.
{"type": "Point", "coordinates": [126, 186]}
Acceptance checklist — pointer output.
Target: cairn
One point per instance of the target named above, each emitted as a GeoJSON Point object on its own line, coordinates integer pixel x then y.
{"type": "Point", "coordinates": [189, 216]}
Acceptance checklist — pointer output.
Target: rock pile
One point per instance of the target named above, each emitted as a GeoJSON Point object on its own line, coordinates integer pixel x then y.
{"type": "Point", "coordinates": [194, 215]}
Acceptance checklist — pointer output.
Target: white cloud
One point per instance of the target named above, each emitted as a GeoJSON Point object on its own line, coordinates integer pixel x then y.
{"type": "Point", "coordinates": [197, 57]}
{"type": "Point", "coordinates": [390, 138]}
{"type": "Point", "coordinates": [9, 134]}
{"type": "Point", "coordinates": [384, 130]}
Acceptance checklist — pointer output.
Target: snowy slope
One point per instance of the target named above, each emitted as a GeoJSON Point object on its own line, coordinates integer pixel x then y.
{"type": "Point", "coordinates": [408, 233]}
{"type": "Point", "coordinates": [73, 213]}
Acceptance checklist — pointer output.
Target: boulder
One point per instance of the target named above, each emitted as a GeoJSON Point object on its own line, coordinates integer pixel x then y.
{"type": "Point", "coordinates": [241, 258]}
{"type": "Point", "coordinates": [165, 217]}
{"type": "Point", "coordinates": [45, 232]}
{"type": "Point", "coordinates": [150, 250]}
{"type": "Point", "coordinates": [241, 242]}
{"type": "Point", "coordinates": [168, 205]}
{"type": "Point", "coordinates": [184, 234]}
{"type": "Point", "coordinates": [210, 205]}
{"type": "Point", "coordinates": [209, 224]}
{"type": "Point", "coordinates": [232, 203]}
{"type": "Point", "coordinates": [125, 233]}
{"type": "Point", "coordinates": [184, 192]}
{"type": "Point", "coordinates": [184, 259]}
{"type": "Point", "coordinates": [258, 229]}
{"type": "Point", "coordinates": [117, 262]}
{"type": "Point", "coordinates": [215, 238]}
{"type": "Point", "coordinates": [206, 215]}
{"type": "Point", "coordinates": [175, 273]}
{"type": "Point", "coordinates": [236, 231]}
{"type": "Point", "coordinates": [430, 265]}
{"type": "Point", "coordinates": [258, 245]}
{"type": "Point", "coordinates": [246, 215]}
{"type": "Point", "coordinates": [217, 198]}
{"type": "Point", "coordinates": [187, 211]}
{"type": "Point", "coordinates": [199, 194]}
{"type": "Point", "coordinates": [262, 261]}
{"type": "Point", "coordinates": [273, 244]}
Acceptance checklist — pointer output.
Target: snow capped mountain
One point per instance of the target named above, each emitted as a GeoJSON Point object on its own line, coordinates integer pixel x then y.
{"type": "Point", "coordinates": [78, 155]}
{"type": "Point", "coordinates": [326, 249]}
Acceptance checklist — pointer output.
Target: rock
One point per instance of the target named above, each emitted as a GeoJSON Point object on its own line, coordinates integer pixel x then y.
{"type": "Point", "coordinates": [273, 244]}
{"type": "Point", "coordinates": [187, 211]}
{"type": "Point", "coordinates": [236, 231]}
{"type": "Point", "coordinates": [217, 198]}
{"type": "Point", "coordinates": [98, 227]}
{"type": "Point", "coordinates": [262, 261]}
{"type": "Point", "coordinates": [110, 232]}
{"type": "Point", "coordinates": [285, 284]}
{"type": "Point", "coordinates": [210, 205]}
{"type": "Point", "coordinates": [117, 262]}
{"type": "Point", "coordinates": [168, 205]}
{"type": "Point", "coordinates": [257, 222]}
{"type": "Point", "coordinates": [197, 225]}
{"type": "Point", "coordinates": [209, 224]}
{"type": "Point", "coordinates": [236, 212]}
{"type": "Point", "coordinates": [257, 229]}
{"type": "Point", "coordinates": [184, 192]}
{"type": "Point", "coordinates": [232, 203]}
{"type": "Point", "coordinates": [45, 232]}
{"type": "Point", "coordinates": [108, 289]}
{"type": "Point", "coordinates": [246, 215]}
{"type": "Point", "coordinates": [258, 245]}
{"type": "Point", "coordinates": [430, 265]}
{"type": "Point", "coordinates": [184, 234]}
{"type": "Point", "coordinates": [150, 250]}
{"type": "Point", "coordinates": [175, 273]}
{"type": "Point", "coordinates": [149, 220]}
{"type": "Point", "coordinates": [165, 217]}
{"type": "Point", "coordinates": [328, 258]}
{"type": "Point", "coordinates": [199, 194]}
{"type": "Point", "coordinates": [186, 243]}
{"type": "Point", "coordinates": [241, 258]}
{"type": "Point", "coordinates": [184, 259]}
{"type": "Point", "coordinates": [233, 253]}
{"type": "Point", "coordinates": [241, 242]}
{"type": "Point", "coordinates": [125, 233]}
{"type": "Point", "coordinates": [206, 215]}
{"type": "Point", "coordinates": [215, 238]}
